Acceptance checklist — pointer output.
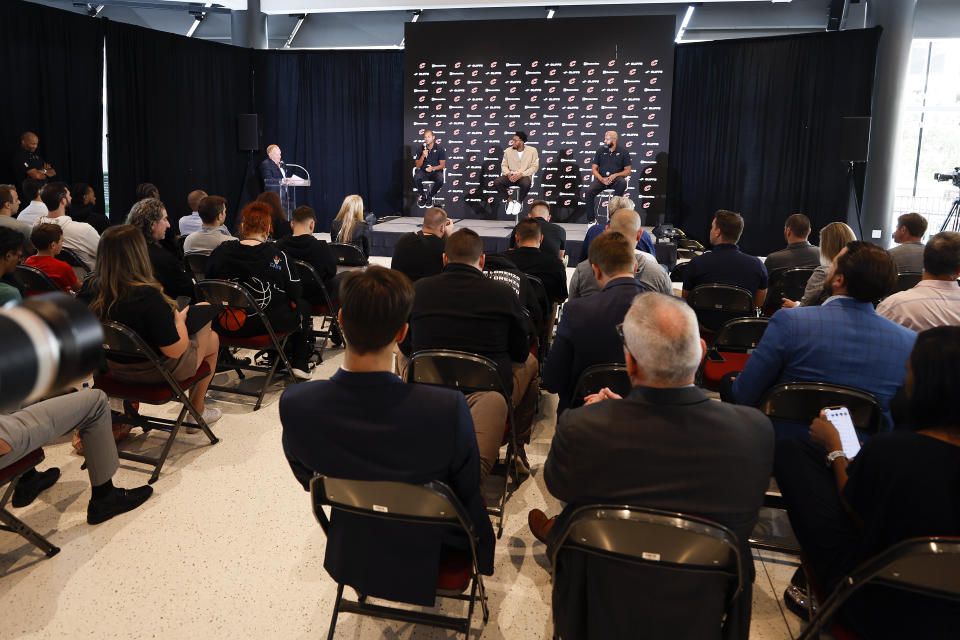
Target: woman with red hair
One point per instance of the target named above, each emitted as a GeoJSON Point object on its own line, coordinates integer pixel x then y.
{"type": "Point", "coordinates": [263, 268]}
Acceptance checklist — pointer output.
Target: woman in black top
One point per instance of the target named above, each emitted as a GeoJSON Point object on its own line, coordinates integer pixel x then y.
{"type": "Point", "coordinates": [902, 484]}
{"type": "Point", "coordinates": [349, 226]}
{"type": "Point", "coordinates": [150, 217]}
{"type": "Point", "coordinates": [263, 268]}
{"type": "Point", "coordinates": [124, 290]}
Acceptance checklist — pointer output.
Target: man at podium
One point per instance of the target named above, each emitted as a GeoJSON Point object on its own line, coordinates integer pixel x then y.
{"type": "Point", "coordinates": [271, 169]}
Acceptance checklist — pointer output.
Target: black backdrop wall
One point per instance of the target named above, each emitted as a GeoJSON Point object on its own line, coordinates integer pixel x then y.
{"type": "Point", "coordinates": [337, 113]}
{"type": "Point", "coordinates": [756, 129]}
{"type": "Point", "coordinates": [53, 72]}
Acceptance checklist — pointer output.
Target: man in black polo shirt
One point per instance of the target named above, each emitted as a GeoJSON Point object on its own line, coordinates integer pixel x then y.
{"type": "Point", "coordinates": [533, 262]}
{"type": "Point", "coordinates": [27, 163]}
{"type": "Point", "coordinates": [611, 166]}
{"type": "Point", "coordinates": [554, 239]}
{"type": "Point", "coordinates": [430, 164]}
{"type": "Point", "coordinates": [726, 264]}
{"type": "Point", "coordinates": [420, 254]}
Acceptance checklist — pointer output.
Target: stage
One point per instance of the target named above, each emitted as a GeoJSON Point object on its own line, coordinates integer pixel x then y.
{"type": "Point", "coordinates": [495, 234]}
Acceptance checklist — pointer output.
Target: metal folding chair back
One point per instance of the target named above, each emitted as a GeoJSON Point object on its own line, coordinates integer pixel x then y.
{"type": "Point", "coordinates": [802, 402]}
{"type": "Point", "coordinates": [122, 341]}
{"type": "Point", "coordinates": [906, 280]}
{"type": "Point", "coordinates": [347, 255]}
{"type": "Point", "coordinates": [740, 334]}
{"type": "Point", "coordinates": [651, 537]}
{"type": "Point", "coordinates": [80, 267]}
{"type": "Point", "coordinates": [596, 377]}
{"type": "Point", "coordinates": [715, 304]}
{"type": "Point", "coordinates": [327, 311]}
{"type": "Point", "coordinates": [786, 283]}
{"type": "Point", "coordinates": [34, 280]}
{"type": "Point", "coordinates": [197, 263]}
{"type": "Point", "coordinates": [469, 373]}
{"type": "Point", "coordinates": [430, 504]}
{"type": "Point", "coordinates": [926, 566]}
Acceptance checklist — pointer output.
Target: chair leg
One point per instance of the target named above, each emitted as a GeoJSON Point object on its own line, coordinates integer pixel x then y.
{"type": "Point", "coordinates": [169, 444]}
{"type": "Point", "coordinates": [336, 610]}
{"type": "Point", "coordinates": [20, 527]}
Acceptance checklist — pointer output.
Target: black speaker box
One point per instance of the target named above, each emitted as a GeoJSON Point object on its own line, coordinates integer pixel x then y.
{"type": "Point", "coordinates": [854, 139]}
{"type": "Point", "coordinates": [248, 132]}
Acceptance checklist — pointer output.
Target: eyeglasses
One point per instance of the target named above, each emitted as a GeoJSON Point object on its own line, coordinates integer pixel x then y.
{"type": "Point", "coordinates": [623, 340]}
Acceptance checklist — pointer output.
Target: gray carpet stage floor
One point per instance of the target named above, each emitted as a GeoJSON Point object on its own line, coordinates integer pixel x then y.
{"type": "Point", "coordinates": [495, 234]}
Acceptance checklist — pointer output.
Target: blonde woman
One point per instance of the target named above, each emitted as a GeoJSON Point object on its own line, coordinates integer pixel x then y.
{"type": "Point", "coordinates": [833, 238]}
{"type": "Point", "coordinates": [349, 227]}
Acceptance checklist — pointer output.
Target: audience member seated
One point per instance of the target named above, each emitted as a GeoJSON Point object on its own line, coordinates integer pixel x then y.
{"type": "Point", "coordinates": [419, 254]}
{"type": "Point", "coordinates": [645, 241]}
{"type": "Point", "coordinates": [843, 341]}
{"type": "Point", "coordinates": [901, 485]}
{"type": "Point", "coordinates": [587, 333]}
{"type": "Point", "coordinates": [833, 238]}
{"type": "Point", "coordinates": [150, 216]}
{"type": "Point", "coordinates": [799, 252]}
{"type": "Point", "coordinates": [9, 204]}
{"type": "Point", "coordinates": [123, 289]}
{"type": "Point", "coordinates": [213, 213]}
{"type": "Point", "coordinates": [88, 412]}
{"type": "Point", "coordinates": [147, 190]}
{"type": "Point", "coordinates": [193, 222]}
{"type": "Point", "coordinates": [48, 238]}
{"type": "Point", "coordinates": [532, 261]}
{"type": "Point", "coordinates": [554, 236]}
{"type": "Point", "coordinates": [349, 227]}
{"type": "Point", "coordinates": [726, 264]}
{"type": "Point", "coordinates": [278, 219]}
{"type": "Point", "coordinates": [376, 427]}
{"type": "Point", "coordinates": [263, 268]}
{"type": "Point", "coordinates": [640, 451]}
{"type": "Point", "coordinates": [649, 273]}
{"type": "Point", "coordinates": [11, 250]}
{"type": "Point", "coordinates": [461, 309]}
{"type": "Point", "coordinates": [935, 300]}
{"type": "Point", "coordinates": [82, 204]}
{"type": "Point", "coordinates": [35, 208]}
{"type": "Point", "coordinates": [303, 245]}
{"type": "Point", "coordinates": [79, 237]}
{"type": "Point", "coordinates": [908, 254]}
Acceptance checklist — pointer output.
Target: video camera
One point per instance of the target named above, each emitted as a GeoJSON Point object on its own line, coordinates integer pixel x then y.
{"type": "Point", "coordinates": [948, 177]}
{"type": "Point", "coordinates": [51, 342]}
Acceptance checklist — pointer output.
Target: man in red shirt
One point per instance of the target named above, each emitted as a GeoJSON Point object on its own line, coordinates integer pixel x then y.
{"type": "Point", "coordinates": [48, 239]}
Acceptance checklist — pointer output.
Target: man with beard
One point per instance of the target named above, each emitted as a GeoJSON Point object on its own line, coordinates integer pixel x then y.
{"type": "Point", "coordinates": [844, 341]}
{"type": "Point", "coordinates": [610, 168]}
{"type": "Point", "coordinates": [520, 163]}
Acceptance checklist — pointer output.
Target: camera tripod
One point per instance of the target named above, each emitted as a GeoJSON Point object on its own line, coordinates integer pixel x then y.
{"type": "Point", "coordinates": [952, 223]}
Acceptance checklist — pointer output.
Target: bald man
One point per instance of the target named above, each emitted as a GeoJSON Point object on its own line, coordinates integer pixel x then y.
{"type": "Point", "coordinates": [271, 169]}
{"type": "Point", "coordinates": [27, 163]}
{"type": "Point", "coordinates": [611, 166]}
{"type": "Point", "coordinates": [192, 222]}
{"type": "Point", "coordinates": [430, 165]}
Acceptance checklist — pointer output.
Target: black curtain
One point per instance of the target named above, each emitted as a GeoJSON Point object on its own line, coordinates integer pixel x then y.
{"type": "Point", "coordinates": [339, 114]}
{"type": "Point", "coordinates": [172, 103]}
{"type": "Point", "coordinates": [53, 72]}
{"type": "Point", "coordinates": [756, 129]}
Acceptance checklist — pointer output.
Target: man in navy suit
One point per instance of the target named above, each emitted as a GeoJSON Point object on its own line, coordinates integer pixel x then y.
{"type": "Point", "coordinates": [271, 169]}
{"type": "Point", "coordinates": [365, 423]}
{"type": "Point", "coordinates": [844, 341]}
{"type": "Point", "coordinates": [587, 333]}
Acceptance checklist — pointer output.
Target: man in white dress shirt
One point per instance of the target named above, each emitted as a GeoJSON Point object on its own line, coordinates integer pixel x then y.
{"type": "Point", "coordinates": [935, 300]}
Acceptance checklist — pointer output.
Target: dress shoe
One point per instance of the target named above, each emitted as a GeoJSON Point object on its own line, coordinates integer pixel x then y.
{"type": "Point", "coordinates": [540, 524]}
{"type": "Point", "coordinates": [120, 501]}
{"type": "Point", "coordinates": [27, 491]}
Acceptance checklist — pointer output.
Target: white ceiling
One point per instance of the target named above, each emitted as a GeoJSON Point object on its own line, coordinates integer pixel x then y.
{"type": "Point", "coordinates": [339, 6]}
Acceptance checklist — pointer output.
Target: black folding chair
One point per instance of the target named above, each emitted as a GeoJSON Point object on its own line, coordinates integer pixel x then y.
{"type": "Point", "coordinates": [470, 373]}
{"type": "Point", "coordinates": [679, 271]}
{"type": "Point", "coordinates": [347, 255]}
{"type": "Point", "coordinates": [236, 298]}
{"type": "Point", "coordinates": [430, 504]}
{"type": "Point", "coordinates": [929, 567]}
{"type": "Point", "coordinates": [548, 313]}
{"type": "Point", "coordinates": [906, 280]}
{"type": "Point", "coordinates": [34, 280]}
{"type": "Point", "coordinates": [715, 304]}
{"type": "Point", "coordinates": [8, 477]}
{"type": "Point", "coordinates": [80, 267]}
{"type": "Point", "coordinates": [730, 349]}
{"type": "Point", "coordinates": [597, 377]}
{"type": "Point", "coordinates": [120, 341]}
{"type": "Point", "coordinates": [785, 283]}
{"type": "Point", "coordinates": [637, 536]}
{"type": "Point", "coordinates": [327, 312]}
{"type": "Point", "coordinates": [197, 264]}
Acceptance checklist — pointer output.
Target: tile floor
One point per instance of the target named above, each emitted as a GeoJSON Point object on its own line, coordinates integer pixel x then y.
{"type": "Point", "coordinates": [228, 548]}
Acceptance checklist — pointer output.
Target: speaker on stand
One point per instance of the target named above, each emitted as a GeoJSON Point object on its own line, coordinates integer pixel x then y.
{"type": "Point", "coordinates": [854, 147]}
{"type": "Point", "coordinates": [248, 139]}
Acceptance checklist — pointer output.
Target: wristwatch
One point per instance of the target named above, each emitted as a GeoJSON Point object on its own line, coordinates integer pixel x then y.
{"type": "Point", "coordinates": [833, 455]}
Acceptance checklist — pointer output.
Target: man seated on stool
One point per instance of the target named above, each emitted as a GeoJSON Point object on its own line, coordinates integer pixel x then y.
{"type": "Point", "coordinates": [376, 427]}
{"type": "Point", "coordinates": [641, 451]}
{"type": "Point", "coordinates": [430, 165]}
{"type": "Point", "coordinates": [519, 165]}
{"type": "Point", "coordinates": [36, 425]}
{"type": "Point", "coordinates": [612, 164]}
{"type": "Point", "coordinates": [533, 262]}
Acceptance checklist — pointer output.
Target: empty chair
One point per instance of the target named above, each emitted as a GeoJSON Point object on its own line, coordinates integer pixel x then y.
{"type": "Point", "coordinates": [327, 311]}
{"type": "Point", "coordinates": [716, 304]}
{"type": "Point", "coordinates": [785, 283]}
{"type": "Point", "coordinates": [347, 255]}
{"type": "Point", "coordinates": [596, 377]}
{"type": "Point", "coordinates": [8, 481]}
{"type": "Point", "coordinates": [731, 349]}
{"type": "Point", "coordinates": [197, 264]}
{"type": "Point", "coordinates": [429, 505]}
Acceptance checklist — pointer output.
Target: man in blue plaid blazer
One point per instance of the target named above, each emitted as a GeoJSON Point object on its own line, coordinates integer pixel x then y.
{"type": "Point", "coordinates": [843, 341]}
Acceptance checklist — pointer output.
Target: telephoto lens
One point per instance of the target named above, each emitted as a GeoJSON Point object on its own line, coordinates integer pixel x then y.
{"type": "Point", "coordinates": [51, 341]}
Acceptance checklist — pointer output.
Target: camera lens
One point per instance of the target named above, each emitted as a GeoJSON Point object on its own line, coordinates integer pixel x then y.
{"type": "Point", "coordinates": [52, 341]}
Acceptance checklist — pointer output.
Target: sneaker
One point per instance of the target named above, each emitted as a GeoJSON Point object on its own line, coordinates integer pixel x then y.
{"type": "Point", "coordinates": [210, 415]}
{"type": "Point", "coordinates": [301, 373]}
{"type": "Point", "coordinates": [120, 501]}
{"type": "Point", "coordinates": [513, 208]}
{"type": "Point", "coordinates": [421, 201]}
{"type": "Point", "coordinates": [229, 361]}
{"type": "Point", "coordinates": [26, 492]}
